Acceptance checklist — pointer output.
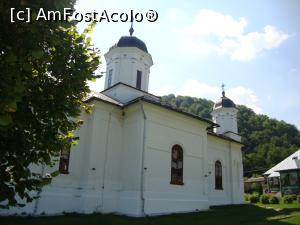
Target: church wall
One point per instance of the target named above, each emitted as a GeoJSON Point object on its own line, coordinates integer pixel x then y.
{"type": "Point", "coordinates": [65, 193]}
{"type": "Point", "coordinates": [81, 190]}
{"type": "Point", "coordinates": [130, 196]}
{"type": "Point", "coordinates": [61, 194]}
{"type": "Point", "coordinates": [89, 166]}
{"type": "Point", "coordinates": [237, 171]}
{"type": "Point", "coordinates": [107, 158]}
{"type": "Point", "coordinates": [105, 166]}
{"type": "Point", "coordinates": [164, 129]}
{"type": "Point", "coordinates": [105, 171]}
{"type": "Point", "coordinates": [229, 154]}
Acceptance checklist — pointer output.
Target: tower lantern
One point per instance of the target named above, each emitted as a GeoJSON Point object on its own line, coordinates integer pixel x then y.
{"type": "Point", "coordinates": [225, 115]}
{"type": "Point", "coordinates": [128, 62]}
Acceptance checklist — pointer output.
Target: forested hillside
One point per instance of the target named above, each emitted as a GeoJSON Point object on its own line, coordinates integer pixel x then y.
{"type": "Point", "coordinates": [267, 141]}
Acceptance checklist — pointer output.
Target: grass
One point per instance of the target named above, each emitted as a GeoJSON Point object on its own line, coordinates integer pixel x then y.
{"type": "Point", "coordinates": [294, 205]}
{"type": "Point", "coordinates": [226, 215]}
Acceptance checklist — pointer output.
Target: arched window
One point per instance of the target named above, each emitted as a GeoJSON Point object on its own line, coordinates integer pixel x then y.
{"type": "Point", "coordinates": [177, 165]}
{"type": "Point", "coordinates": [218, 175]}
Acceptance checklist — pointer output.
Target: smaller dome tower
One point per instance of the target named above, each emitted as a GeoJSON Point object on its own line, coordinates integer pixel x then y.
{"type": "Point", "coordinates": [225, 115]}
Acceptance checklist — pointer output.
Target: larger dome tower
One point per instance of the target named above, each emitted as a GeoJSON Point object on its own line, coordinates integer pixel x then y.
{"type": "Point", "coordinates": [128, 62]}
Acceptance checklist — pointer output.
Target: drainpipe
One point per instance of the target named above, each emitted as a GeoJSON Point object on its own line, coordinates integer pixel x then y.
{"type": "Point", "coordinates": [142, 185]}
{"type": "Point", "coordinates": [105, 160]}
{"type": "Point", "coordinates": [231, 175]}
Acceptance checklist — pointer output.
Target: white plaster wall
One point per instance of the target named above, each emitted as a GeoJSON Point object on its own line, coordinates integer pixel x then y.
{"type": "Point", "coordinates": [165, 128]}
{"type": "Point", "coordinates": [130, 196]}
{"type": "Point", "coordinates": [82, 189]}
{"type": "Point", "coordinates": [106, 166]}
{"type": "Point", "coordinates": [62, 194]}
{"type": "Point", "coordinates": [229, 154]}
{"type": "Point", "coordinates": [91, 161]}
{"type": "Point", "coordinates": [107, 145]}
{"type": "Point", "coordinates": [237, 174]}
{"type": "Point", "coordinates": [124, 62]}
{"type": "Point", "coordinates": [226, 118]}
{"type": "Point", "coordinates": [89, 164]}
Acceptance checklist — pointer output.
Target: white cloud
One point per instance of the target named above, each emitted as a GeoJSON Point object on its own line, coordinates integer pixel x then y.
{"type": "Point", "coordinates": [214, 32]}
{"type": "Point", "coordinates": [244, 96]}
{"type": "Point", "coordinates": [163, 90]}
{"type": "Point", "coordinates": [198, 89]}
{"type": "Point", "coordinates": [208, 22]}
{"type": "Point", "coordinates": [240, 95]}
{"type": "Point", "coordinates": [176, 15]}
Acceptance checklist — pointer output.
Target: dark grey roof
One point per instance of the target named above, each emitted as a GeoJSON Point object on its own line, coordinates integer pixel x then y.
{"type": "Point", "coordinates": [132, 41]}
{"type": "Point", "coordinates": [224, 102]}
{"type": "Point", "coordinates": [121, 83]}
{"type": "Point", "coordinates": [102, 97]}
{"type": "Point", "coordinates": [223, 137]}
{"type": "Point", "coordinates": [146, 98]}
{"type": "Point", "coordinates": [166, 105]}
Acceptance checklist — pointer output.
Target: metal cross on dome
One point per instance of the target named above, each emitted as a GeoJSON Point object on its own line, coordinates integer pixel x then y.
{"type": "Point", "coordinates": [223, 89]}
{"type": "Point", "coordinates": [131, 30]}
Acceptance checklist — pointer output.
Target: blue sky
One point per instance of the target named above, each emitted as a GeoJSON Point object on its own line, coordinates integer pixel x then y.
{"type": "Point", "coordinates": [250, 46]}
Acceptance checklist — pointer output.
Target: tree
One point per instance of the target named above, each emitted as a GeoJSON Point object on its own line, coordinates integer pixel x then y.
{"type": "Point", "coordinates": [45, 66]}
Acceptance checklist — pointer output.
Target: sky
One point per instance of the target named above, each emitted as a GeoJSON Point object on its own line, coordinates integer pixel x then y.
{"type": "Point", "coordinates": [250, 46]}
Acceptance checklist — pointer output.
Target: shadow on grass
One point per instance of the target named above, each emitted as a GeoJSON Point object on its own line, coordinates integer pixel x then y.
{"type": "Point", "coordinates": [226, 215]}
{"type": "Point", "coordinates": [230, 215]}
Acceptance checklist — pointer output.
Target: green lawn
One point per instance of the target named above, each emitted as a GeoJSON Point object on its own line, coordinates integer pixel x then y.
{"type": "Point", "coordinates": [227, 215]}
{"type": "Point", "coordinates": [294, 205]}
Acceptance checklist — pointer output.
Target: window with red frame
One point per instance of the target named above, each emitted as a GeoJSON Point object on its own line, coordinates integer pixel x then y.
{"type": "Point", "coordinates": [218, 176]}
{"type": "Point", "coordinates": [177, 165]}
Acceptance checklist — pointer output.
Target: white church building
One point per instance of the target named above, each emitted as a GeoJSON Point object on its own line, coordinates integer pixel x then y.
{"type": "Point", "coordinates": [137, 155]}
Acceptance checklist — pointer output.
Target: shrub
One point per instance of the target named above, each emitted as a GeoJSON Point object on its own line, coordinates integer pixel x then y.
{"type": "Point", "coordinates": [246, 196]}
{"type": "Point", "coordinates": [254, 198]}
{"type": "Point", "coordinates": [298, 198]}
{"type": "Point", "coordinates": [274, 200]}
{"type": "Point", "coordinates": [256, 188]}
{"type": "Point", "coordinates": [294, 197]}
{"type": "Point", "coordinates": [288, 199]}
{"type": "Point", "coordinates": [264, 199]}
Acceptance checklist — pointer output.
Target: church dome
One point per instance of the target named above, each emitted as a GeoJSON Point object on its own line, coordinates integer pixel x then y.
{"type": "Point", "coordinates": [224, 102]}
{"type": "Point", "coordinates": [132, 41]}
